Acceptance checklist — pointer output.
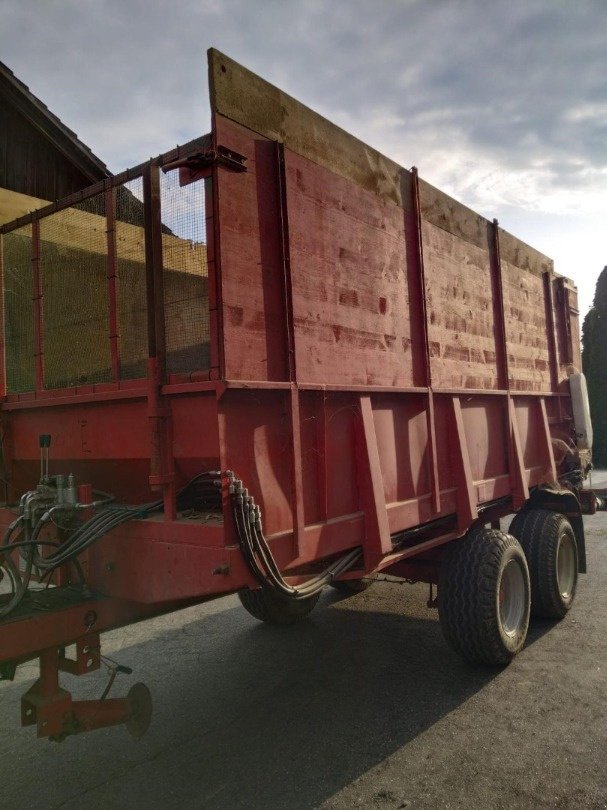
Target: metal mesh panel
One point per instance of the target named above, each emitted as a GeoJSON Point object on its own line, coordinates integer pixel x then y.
{"type": "Point", "coordinates": [130, 269]}
{"type": "Point", "coordinates": [184, 257]}
{"type": "Point", "coordinates": [73, 268]}
{"type": "Point", "coordinates": [19, 310]}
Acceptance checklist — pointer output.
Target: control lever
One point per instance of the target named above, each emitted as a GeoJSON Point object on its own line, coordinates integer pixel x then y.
{"type": "Point", "coordinates": [45, 442]}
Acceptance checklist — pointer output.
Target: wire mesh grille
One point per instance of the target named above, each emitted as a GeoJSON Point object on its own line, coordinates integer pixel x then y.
{"type": "Point", "coordinates": [75, 297]}
{"type": "Point", "coordinates": [19, 310]}
{"type": "Point", "coordinates": [73, 256]}
{"type": "Point", "coordinates": [130, 269]}
{"type": "Point", "coordinates": [186, 300]}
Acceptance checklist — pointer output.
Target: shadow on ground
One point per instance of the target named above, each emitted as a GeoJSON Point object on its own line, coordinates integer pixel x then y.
{"type": "Point", "coordinates": [252, 716]}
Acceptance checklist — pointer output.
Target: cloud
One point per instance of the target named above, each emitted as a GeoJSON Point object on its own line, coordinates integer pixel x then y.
{"type": "Point", "coordinates": [504, 105]}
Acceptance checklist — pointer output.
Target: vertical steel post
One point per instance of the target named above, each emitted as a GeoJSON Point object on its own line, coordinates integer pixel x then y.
{"type": "Point", "coordinates": [499, 317]}
{"type": "Point", "coordinates": [212, 270]}
{"type": "Point", "coordinates": [427, 364]}
{"type": "Point", "coordinates": [161, 455]}
{"type": "Point", "coordinates": [37, 303]}
{"type": "Point", "coordinates": [110, 218]}
{"type": "Point", "coordinates": [296, 471]}
{"type": "Point", "coordinates": [3, 385]}
{"type": "Point", "coordinates": [287, 290]}
{"type": "Point", "coordinates": [516, 463]}
{"type": "Point", "coordinates": [551, 331]}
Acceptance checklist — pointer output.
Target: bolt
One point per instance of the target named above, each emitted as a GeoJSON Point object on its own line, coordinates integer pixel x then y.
{"type": "Point", "coordinates": [221, 569]}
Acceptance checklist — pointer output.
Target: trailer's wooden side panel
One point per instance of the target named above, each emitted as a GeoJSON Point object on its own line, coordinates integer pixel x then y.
{"type": "Point", "coordinates": [351, 263]}
{"type": "Point", "coordinates": [461, 327]}
{"type": "Point", "coordinates": [526, 329]}
{"type": "Point", "coordinates": [251, 262]}
{"type": "Point", "coordinates": [348, 264]}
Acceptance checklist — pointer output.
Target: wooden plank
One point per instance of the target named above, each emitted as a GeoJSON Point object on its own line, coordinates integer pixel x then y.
{"type": "Point", "coordinates": [246, 98]}
{"type": "Point", "coordinates": [526, 329]}
{"type": "Point", "coordinates": [442, 211]}
{"type": "Point", "coordinates": [349, 279]}
{"type": "Point", "coordinates": [249, 252]}
{"type": "Point", "coordinates": [240, 95]}
{"type": "Point", "coordinates": [461, 325]}
{"type": "Point", "coordinates": [518, 253]}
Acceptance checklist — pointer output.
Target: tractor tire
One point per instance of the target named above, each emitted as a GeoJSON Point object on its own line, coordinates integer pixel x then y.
{"type": "Point", "coordinates": [484, 597]}
{"type": "Point", "coordinates": [351, 586]}
{"type": "Point", "coordinates": [551, 550]}
{"type": "Point", "coordinates": [266, 606]}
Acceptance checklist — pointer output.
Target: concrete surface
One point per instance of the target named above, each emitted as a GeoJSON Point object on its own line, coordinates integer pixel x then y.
{"type": "Point", "coordinates": [362, 705]}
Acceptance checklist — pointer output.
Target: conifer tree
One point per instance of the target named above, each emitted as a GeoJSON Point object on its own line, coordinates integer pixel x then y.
{"type": "Point", "coordinates": [594, 361]}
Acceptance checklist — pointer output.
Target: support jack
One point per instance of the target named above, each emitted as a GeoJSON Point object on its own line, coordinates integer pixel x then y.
{"type": "Point", "coordinates": [51, 708]}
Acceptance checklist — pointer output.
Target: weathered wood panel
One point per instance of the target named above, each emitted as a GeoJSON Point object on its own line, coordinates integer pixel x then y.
{"type": "Point", "coordinates": [30, 164]}
{"type": "Point", "coordinates": [461, 326]}
{"type": "Point", "coordinates": [240, 95]}
{"type": "Point", "coordinates": [342, 265]}
{"type": "Point", "coordinates": [526, 329]}
{"type": "Point", "coordinates": [349, 281]}
{"type": "Point", "coordinates": [252, 274]}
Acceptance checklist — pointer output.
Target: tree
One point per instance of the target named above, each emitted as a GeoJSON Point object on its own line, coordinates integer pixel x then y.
{"type": "Point", "coordinates": [594, 362]}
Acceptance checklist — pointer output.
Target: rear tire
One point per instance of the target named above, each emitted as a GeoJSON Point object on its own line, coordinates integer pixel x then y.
{"type": "Point", "coordinates": [484, 597]}
{"type": "Point", "coordinates": [266, 606]}
{"type": "Point", "coordinates": [551, 550]}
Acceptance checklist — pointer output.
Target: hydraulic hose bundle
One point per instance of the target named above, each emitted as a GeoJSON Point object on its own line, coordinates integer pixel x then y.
{"type": "Point", "coordinates": [23, 534]}
{"type": "Point", "coordinates": [40, 507]}
{"type": "Point", "coordinates": [256, 551]}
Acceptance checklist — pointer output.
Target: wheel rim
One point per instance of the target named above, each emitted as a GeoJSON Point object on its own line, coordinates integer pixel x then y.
{"type": "Point", "coordinates": [565, 566]}
{"type": "Point", "coordinates": [512, 598]}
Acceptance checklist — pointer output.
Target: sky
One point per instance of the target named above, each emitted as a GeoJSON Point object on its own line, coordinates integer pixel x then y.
{"type": "Point", "coordinates": [501, 104]}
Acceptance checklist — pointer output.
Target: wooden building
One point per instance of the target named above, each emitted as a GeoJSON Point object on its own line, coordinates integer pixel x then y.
{"type": "Point", "coordinates": [41, 160]}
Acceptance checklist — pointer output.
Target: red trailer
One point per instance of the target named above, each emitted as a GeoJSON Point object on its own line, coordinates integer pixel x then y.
{"type": "Point", "coordinates": [268, 361]}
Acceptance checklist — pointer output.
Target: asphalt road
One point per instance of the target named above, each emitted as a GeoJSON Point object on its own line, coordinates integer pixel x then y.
{"type": "Point", "coordinates": [362, 705]}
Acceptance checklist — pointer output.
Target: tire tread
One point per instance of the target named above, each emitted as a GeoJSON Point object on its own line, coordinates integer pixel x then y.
{"type": "Point", "coordinates": [467, 596]}
{"type": "Point", "coordinates": [538, 531]}
{"type": "Point", "coordinates": [264, 605]}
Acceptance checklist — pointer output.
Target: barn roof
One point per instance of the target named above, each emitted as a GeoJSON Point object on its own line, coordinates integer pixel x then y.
{"type": "Point", "coordinates": [39, 116]}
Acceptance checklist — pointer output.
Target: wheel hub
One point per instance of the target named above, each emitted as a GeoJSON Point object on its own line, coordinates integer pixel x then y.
{"type": "Point", "coordinates": [511, 598]}
{"type": "Point", "coordinates": [565, 566]}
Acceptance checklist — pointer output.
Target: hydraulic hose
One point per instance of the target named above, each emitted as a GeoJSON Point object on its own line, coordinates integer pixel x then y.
{"type": "Point", "coordinates": [258, 556]}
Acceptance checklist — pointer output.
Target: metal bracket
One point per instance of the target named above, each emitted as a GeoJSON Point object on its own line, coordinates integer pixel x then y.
{"type": "Point", "coordinates": [192, 167]}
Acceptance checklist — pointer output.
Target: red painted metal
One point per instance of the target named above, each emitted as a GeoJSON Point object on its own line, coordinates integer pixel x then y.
{"type": "Point", "coordinates": [368, 379]}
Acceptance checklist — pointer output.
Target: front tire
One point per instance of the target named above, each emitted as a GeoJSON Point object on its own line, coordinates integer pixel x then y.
{"type": "Point", "coordinates": [551, 550]}
{"type": "Point", "coordinates": [484, 597]}
{"type": "Point", "coordinates": [267, 606]}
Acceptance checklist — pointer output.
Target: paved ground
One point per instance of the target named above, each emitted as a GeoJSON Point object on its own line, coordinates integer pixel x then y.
{"type": "Point", "coordinates": [362, 705]}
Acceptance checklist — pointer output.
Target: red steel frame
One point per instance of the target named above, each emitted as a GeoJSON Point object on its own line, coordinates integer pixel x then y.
{"type": "Point", "coordinates": [334, 465]}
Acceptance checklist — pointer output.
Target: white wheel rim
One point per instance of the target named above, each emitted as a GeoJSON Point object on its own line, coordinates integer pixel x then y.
{"type": "Point", "coordinates": [565, 566]}
{"type": "Point", "coordinates": [512, 598]}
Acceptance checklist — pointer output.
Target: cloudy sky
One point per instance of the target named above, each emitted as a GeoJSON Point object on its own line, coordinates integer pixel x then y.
{"type": "Point", "coordinates": [502, 104]}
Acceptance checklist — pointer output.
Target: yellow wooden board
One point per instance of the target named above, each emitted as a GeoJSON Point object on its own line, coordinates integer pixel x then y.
{"type": "Point", "coordinates": [81, 230]}
{"type": "Point", "coordinates": [242, 96]}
